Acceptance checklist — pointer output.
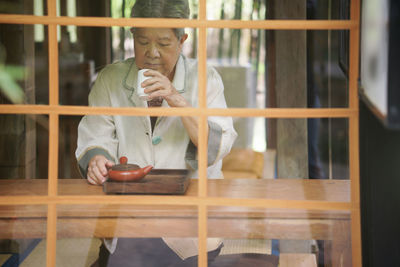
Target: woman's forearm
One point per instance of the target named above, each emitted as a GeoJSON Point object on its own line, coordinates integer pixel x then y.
{"type": "Point", "coordinates": [191, 124]}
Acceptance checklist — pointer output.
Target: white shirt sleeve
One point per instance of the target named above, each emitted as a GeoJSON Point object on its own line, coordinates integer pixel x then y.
{"type": "Point", "coordinates": [222, 125]}
{"type": "Point", "coordinates": [96, 132]}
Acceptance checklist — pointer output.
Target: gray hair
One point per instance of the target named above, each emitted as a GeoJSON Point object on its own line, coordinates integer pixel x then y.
{"type": "Point", "coordinates": [162, 9]}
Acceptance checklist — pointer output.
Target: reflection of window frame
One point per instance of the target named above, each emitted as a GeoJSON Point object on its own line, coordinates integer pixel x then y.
{"type": "Point", "coordinates": [55, 110]}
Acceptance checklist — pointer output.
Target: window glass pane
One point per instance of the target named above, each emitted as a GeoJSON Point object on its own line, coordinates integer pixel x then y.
{"type": "Point", "coordinates": [282, 189]}
{"type": "Point", "coordinates": [24, 56]}
{"type": "Point", "coordinates": [96, 48]}
{"type": "Point", "coordinates": [24, 153]}
{"type": "Point", "coordinates": [260, 10]}
{"type": "Point", "coordinates": [28, 7]}
{"type": "Point", "coordinates": [266, 237]}
{"type": "Point", "coordinates": [254, 70]}
{"type": "Point", "coordinates": [68, 135]}
{"type": "Point", "coordinates": [315, 148]}
{"type": "Point", "coordinates": [135, 234]}
{"type": "Point", "coordinates": [104, 140]}
{"type": "Point", "coordinates": [115, 8]}
{"type": "Point", "coordinates": [280, 69]}
{"type": "Point", "coordinates": [83, 53]}
{"type": "Point", "coordinates": [23, 235]}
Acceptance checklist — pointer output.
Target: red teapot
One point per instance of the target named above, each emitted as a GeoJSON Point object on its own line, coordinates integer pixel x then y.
{"type": "Point", "coordinates": [125, 172]}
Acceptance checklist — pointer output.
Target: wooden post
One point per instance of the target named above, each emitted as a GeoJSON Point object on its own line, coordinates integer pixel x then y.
{"type": "Point", "coordinates": [290, 77]}
{"type": "Point", "coordinates": [95, 40]}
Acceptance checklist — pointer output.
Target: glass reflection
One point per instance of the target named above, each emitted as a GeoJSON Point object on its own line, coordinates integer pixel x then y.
{"type": "Point", "coordinates": [68, 134]}
{"type": "Point", "coordinates": [23, 235]}
{"type": "Point", "coordinates": [24, 62]}
{"type": "Point", "coordinates": [281, 69]}
{"type": "Point", "coordinates": [24, 142]}
{"type": "Point", "coordinates": [135, 235]}
{"type": "Point", "coordinates": [268, 237]}
{"type": "Point", "coordinates": [289, 148]}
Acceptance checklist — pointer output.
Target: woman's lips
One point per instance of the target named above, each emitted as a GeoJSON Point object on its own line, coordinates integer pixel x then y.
{"type": "Point", "coordinates": [152, 66]}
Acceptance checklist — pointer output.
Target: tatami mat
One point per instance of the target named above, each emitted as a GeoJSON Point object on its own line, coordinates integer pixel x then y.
{"type": "Point", "coordinates": [235, 246]}
{"type": "Point", "coordinates": [78, 252]}
{"type": "Point", "coordinates": [4, 258]}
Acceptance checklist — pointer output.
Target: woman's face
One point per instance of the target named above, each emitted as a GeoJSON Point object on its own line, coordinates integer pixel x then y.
{"type": "Point", "coordinates": [157, 49]}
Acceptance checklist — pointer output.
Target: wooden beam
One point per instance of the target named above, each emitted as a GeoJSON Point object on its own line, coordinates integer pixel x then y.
{"type": "Point", "coordinates": [177, 23]}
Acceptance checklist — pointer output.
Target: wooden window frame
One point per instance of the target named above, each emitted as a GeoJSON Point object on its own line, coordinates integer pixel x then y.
{"type": "Point", "coordinates": [54, 110]}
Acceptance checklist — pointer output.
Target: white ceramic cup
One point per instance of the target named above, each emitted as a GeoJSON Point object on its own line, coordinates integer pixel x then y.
{"type": "Point", "coordinates": [141, 78]}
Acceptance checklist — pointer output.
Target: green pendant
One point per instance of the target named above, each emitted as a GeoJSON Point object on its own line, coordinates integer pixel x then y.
{"type": "Point", "coordinates": [156, 140]}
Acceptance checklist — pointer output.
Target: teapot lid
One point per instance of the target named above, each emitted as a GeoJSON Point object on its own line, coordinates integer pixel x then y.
{"type": "Point", "coordinates": [124, 166]}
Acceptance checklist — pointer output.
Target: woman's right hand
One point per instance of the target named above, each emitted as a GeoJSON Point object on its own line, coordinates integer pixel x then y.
{"type": "Point", "coordinates": [98, 169]}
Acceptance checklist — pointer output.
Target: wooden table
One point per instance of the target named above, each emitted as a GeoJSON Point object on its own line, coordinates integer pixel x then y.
{"type": "Point", "coordinates": [181, 221]}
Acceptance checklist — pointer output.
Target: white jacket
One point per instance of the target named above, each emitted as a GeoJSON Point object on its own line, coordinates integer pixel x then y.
{"type": "Point", "coordinates": [169, 146]}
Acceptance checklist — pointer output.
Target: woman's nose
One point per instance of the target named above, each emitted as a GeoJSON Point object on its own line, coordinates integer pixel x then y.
{"type": "Point", "coordinates": [153, 52]}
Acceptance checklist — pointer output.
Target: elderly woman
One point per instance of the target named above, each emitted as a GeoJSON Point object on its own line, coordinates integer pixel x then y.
{"type": "Point", "coordinates": [164, 142]}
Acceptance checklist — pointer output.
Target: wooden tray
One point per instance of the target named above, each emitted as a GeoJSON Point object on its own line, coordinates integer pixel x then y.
{"type": "Point", "coordinates": [157, 182]}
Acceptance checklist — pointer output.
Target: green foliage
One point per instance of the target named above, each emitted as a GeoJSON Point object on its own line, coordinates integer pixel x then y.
{"type": "Point", "coordinates": [8, 85]}
{"type": "Point", "coordinates": [118, 5]}
{"type": "Point", "coordinates": [9, 75]}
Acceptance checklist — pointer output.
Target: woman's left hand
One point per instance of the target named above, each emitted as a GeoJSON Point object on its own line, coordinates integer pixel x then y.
{"type": "Point", "coordinates": [160, 86]}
